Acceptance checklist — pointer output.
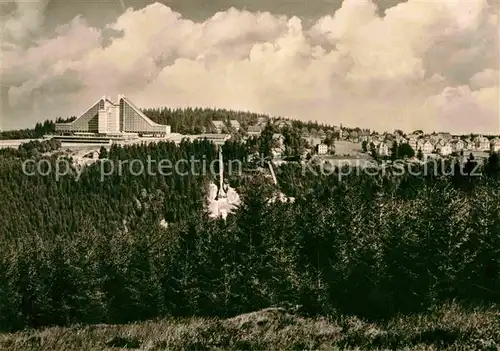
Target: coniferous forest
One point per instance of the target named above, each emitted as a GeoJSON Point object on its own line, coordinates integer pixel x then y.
{"type": "Point", "coordinates": [374, 246]}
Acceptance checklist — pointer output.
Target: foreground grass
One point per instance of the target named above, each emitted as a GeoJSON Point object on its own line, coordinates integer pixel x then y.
{"type": "Point", "coordinates": [449, 328]}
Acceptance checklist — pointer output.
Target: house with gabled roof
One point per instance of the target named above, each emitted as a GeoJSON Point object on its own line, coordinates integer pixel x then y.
{"type": "Point", "coordinates": [457, 145]}
{"type": "Point", "coordinates": [262, 121]}
{"type": "Point", "coordinates": [279, 139]}
{"type": "Point", "coordinates": [235, 124]}
{"type": "Point", "coordinates": [468, 144]}
{"type": "Point", "coordinates": [440, 143]}
{"type": "Point", "coordinates": [383, 148]}
{"type": "Point", "coordinates": [427, 147]}
{"type": "Point", "coordinates": [219, 126]}
{"type": "Point", "coordinates": [482, 143]}
{"type": "Point", "coordinates": [254, 130]}
{"type": "Point", "coordinates": [444, 148]}
{"type": "Point", "coordinates": [495, 145]}
{"type": "Point", "coordinates": [413, 142]}
{"type": "Point", "coordinates": [284, 124]}
{"type": "Point", "coordinates": [445, 136]}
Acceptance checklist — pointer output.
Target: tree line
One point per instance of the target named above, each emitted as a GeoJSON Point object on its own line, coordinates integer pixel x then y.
{"type": "Point", "coordinates": [40, 129]}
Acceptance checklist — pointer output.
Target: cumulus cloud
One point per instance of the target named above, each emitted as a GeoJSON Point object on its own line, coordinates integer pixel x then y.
{"type": "Point", "coordinates": [421, 65]}
{"type": "Point", "coordinates": [462, 110]}
{"type": "Point", "coordinates": [23, 19]}
{"type": "Point", "coordinates": [484, 79]}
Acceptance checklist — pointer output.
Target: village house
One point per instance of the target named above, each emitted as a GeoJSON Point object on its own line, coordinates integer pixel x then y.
{"type": "Point", "coordinates": [440, 143]}
{"type": "Point", "coordinates": [444, 149]}
{"type": "Point", "coordinates": [354, 136]}
{"type": "Point", "coordinates": [382, 149]}
{"type": "Point", "coordinates": [427, 147]}
{"type": "Point", "coordinates": [277, 152]}
{"type": "Point", "coordinates": [445, 136]}
{"type": "Point", "coordinates": [413, 143]}
{"type": "Point", "coordinates": [322, 149]}
{"type": "Point", "coordinates": [434, 138]}
{"type": "Point", "coordinates": [482, 143]}
{"type": "Point", "coordinates": [284, 124]}
{"type": "Point", "coordinates": [420, 144]}
{"type": "Point", "coordinates": [235, 124]}
{"type": "Point", "coordinates": [279, 145]}
{"type": "Point", "coordinates": [262, 121]}
{"type": "Point", "coordinates": [495, 145]}
{"type": "Point", "coordinates": [363, 135]}
{"type": "Point", "coordinates": [93, 155]}
{"type": "Point", "coordinates": [279, 139]}
{"type": "Point", "coordinates": [219, 126]}
{"type": "Point", "coordinates": [313, 142]}
{"type": "Point", "coordinates": [468, 144]}
{"type": "Point", "coordinates": [457, 145]}
{"type": "Point", "coordinates": [254, 130]}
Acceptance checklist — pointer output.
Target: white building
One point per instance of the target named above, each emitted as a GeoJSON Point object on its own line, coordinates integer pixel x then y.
{"type": "Point", "coordinates": [322, 149]}
{"type": "Point", "coordinates": [279, 139]}
{"type": "Point", "coordinates": [427, 147]}
{"type": "Point", "coordinates": [469, 145]}
{"type": "Point", "coordinates": [108, 117]}
{"type": "Point", "coordinates": [495, 145]}
{"type": "Point", "coordinates": [482, 143]}
{"type": "Point", "coordinates": [383, 149]}
{"type": "Point", "coordinates": [457, 145]}
{"type": "Point", "coordinates": [445, 149]}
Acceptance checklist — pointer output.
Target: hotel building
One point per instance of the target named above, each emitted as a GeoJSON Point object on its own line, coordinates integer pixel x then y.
{"type": "Point", "coordinates": [106, 117]}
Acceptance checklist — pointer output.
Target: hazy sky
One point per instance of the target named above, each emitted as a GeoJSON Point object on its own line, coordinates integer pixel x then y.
{"type": "Point", "coordinates": [386, 64]}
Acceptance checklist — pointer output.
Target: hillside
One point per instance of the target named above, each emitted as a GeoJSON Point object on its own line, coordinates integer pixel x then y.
{"type": "Point", "coordinates": [91, 247]}
{"type": "Point", "coordinates": [449, 328]}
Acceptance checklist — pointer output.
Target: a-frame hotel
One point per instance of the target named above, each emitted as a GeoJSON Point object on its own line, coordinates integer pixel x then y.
{"type": "Point", "coordinates": [106, 117]}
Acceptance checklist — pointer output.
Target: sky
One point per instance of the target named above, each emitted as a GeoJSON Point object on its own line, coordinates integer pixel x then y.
{"type": "Point", "coordinates": [383, 65]}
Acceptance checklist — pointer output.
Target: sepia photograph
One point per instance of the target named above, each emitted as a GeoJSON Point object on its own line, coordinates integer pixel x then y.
{"type": "Point", "coordinates": [249, 175]}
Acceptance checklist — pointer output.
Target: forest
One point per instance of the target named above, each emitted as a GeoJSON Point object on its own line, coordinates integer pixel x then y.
{"type": "Point", "coordinates": [184, 121]}
{"type": "Point", "coordinates": [40, 129]}
{"type": "Point", "coordinates": [374, 246]}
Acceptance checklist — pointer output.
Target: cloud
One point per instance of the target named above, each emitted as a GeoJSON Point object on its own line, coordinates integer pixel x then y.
{"type": "Point", "coordinates": [463, 111]}
{"type": "Point", "coordinates": [484, 79]}
{"type": "Point", "coordinates": [354, 67]}
{"type": "Point", "coordinates": [23, 19]}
